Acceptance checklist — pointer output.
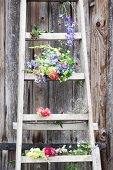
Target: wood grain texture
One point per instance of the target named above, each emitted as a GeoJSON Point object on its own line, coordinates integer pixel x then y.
{"type": "Point", "coordinates": [21, 63]}
{"type": "Point", "coordinates": [82, 158]}
{"type": "Point", "coordinates": [78, 126]}
{"type": "Point", "coordinates": [39, 17]}
{"type": "Point", "coordinates": [98, 65]}
{"type": "Point", "coordinates": [75, 76]}
{"type": "Point", "coordinates": [2, 71]}
{"type": "Point", "coordinates": [68, 116]}
{"type": "Point", "coordinates": [53, 36]}
{"type": "Point", "coordinates": [11, 74]}
{"type": "Point", "coordinates": [109, 110]}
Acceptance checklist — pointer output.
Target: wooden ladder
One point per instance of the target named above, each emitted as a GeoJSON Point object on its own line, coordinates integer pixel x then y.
{"type": "Point", "coordinates": [19, 125]}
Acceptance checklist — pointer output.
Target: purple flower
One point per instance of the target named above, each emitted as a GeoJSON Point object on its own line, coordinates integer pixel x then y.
{"type": "Point", "coordinates": [33, 64]}
{"type": "Point", "coordinates": [70, 28]}
{"type": "Point", "coordinates": [44, 78]}
{"type": "Point", "coordinates": [65, 66]}
{"type": "Point", "coordinates": [53, 59]}
{"type": "Point", "coordinates": [73, 68]}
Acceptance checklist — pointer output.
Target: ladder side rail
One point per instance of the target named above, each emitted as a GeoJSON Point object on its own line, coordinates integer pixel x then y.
{"type": "Point", "coordinates": [84, 56]}
{"type": "Point", "coordinates": [20, 82]}
{"type": "Point", "coordinates": [96, 162]}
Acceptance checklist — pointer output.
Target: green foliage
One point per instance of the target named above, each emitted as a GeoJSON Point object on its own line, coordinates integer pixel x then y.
{"type": "Point", "coordinates": [82, 149]}
{"type": "Point", "coordinates": [36, 32]}
{"type": "Point", "coordinates": [72, 166]}
{"type": "Point", "coordinates": [60, 122]}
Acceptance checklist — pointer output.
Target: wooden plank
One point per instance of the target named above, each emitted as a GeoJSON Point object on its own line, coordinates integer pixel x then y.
{"type": "Point", "coordinates": [45, 126]}
{"type": "Point", "coordinates": [34, 117]}
{"type": "Point", "coordinates": [20, 82]}
{"type": "Point", "coordinates": [4, 164]}
{"type": "Point", "coordinates": [11, 19]}
{"type": "Point", "coordinates": [2, 71]}
{"type": "Point", "coordinates": [75, 76]}
{"type": "Point", "coordinates": [107, 120]}
{"type": "Point", "coordinates": [52, 36]}
{"type": "Point", "coordinates": [39, 17]}
{"type": "Point", "coordinates": [79, 158]}
{"type": "Point", "coordinates": [49, 127]}
{"type": "Point", "coordinates": [96, 159]}
{"type": "Point", "coordinates": [101, 72]}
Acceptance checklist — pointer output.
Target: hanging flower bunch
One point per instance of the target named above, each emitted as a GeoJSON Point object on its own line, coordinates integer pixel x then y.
{"type": "Point", "coordinates": [51, 64]}
{"type": "Point", "coordinates": [69, 25]}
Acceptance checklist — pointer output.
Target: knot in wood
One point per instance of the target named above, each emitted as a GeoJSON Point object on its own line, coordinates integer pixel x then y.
{"type": "Point", "coordinates": [42, 18]}
{"type": "Point", "coordinates": [98, 24]}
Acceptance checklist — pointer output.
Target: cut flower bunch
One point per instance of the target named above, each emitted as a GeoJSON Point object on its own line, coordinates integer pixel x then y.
{"type": "Point", "coordinates": [51, 64]}
{"type": "Point", "coordinates": [82, 149]}
{"type": "Point", "coordinates": [43, 112]}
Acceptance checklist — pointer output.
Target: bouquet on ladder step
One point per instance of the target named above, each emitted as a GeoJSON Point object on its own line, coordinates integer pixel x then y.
{"type": "Point", "coordinates": [51, 64]}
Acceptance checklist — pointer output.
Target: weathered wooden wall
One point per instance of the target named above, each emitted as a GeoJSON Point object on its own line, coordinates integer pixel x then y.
{"type": "Point", "coordinates": [98, 67]}
{"type": "Point", "coordinates": [53, 94]}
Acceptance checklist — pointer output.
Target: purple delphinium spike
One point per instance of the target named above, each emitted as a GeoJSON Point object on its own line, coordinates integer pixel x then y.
{"type": "Point", "coordinates": [70, 28]}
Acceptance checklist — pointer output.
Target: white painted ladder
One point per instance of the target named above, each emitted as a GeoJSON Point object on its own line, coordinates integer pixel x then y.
{"type": "Point", "coordinates": [81, 35]}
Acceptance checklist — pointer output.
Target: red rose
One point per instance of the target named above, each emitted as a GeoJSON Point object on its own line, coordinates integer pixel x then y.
{"type": "Point", "coordinates": [54, 76]}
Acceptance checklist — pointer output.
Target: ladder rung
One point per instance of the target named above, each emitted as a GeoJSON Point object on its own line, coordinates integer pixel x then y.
{"type": "Point", "coordinates": [76, 126]}
{"type": "Point", "coordinates": [52, 36]}
{"type": "Point", "coordinates": [75, 76]}
{"type": "Point", "coordinates": [34, 117]}
{"type": "Point", "coordinates": [78, 158]}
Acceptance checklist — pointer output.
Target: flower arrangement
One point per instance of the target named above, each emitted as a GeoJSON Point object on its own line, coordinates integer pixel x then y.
{"type": "Point", "coordinates": [51, 64]}
{"type": "Point", "coordinates": [82, 149]}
